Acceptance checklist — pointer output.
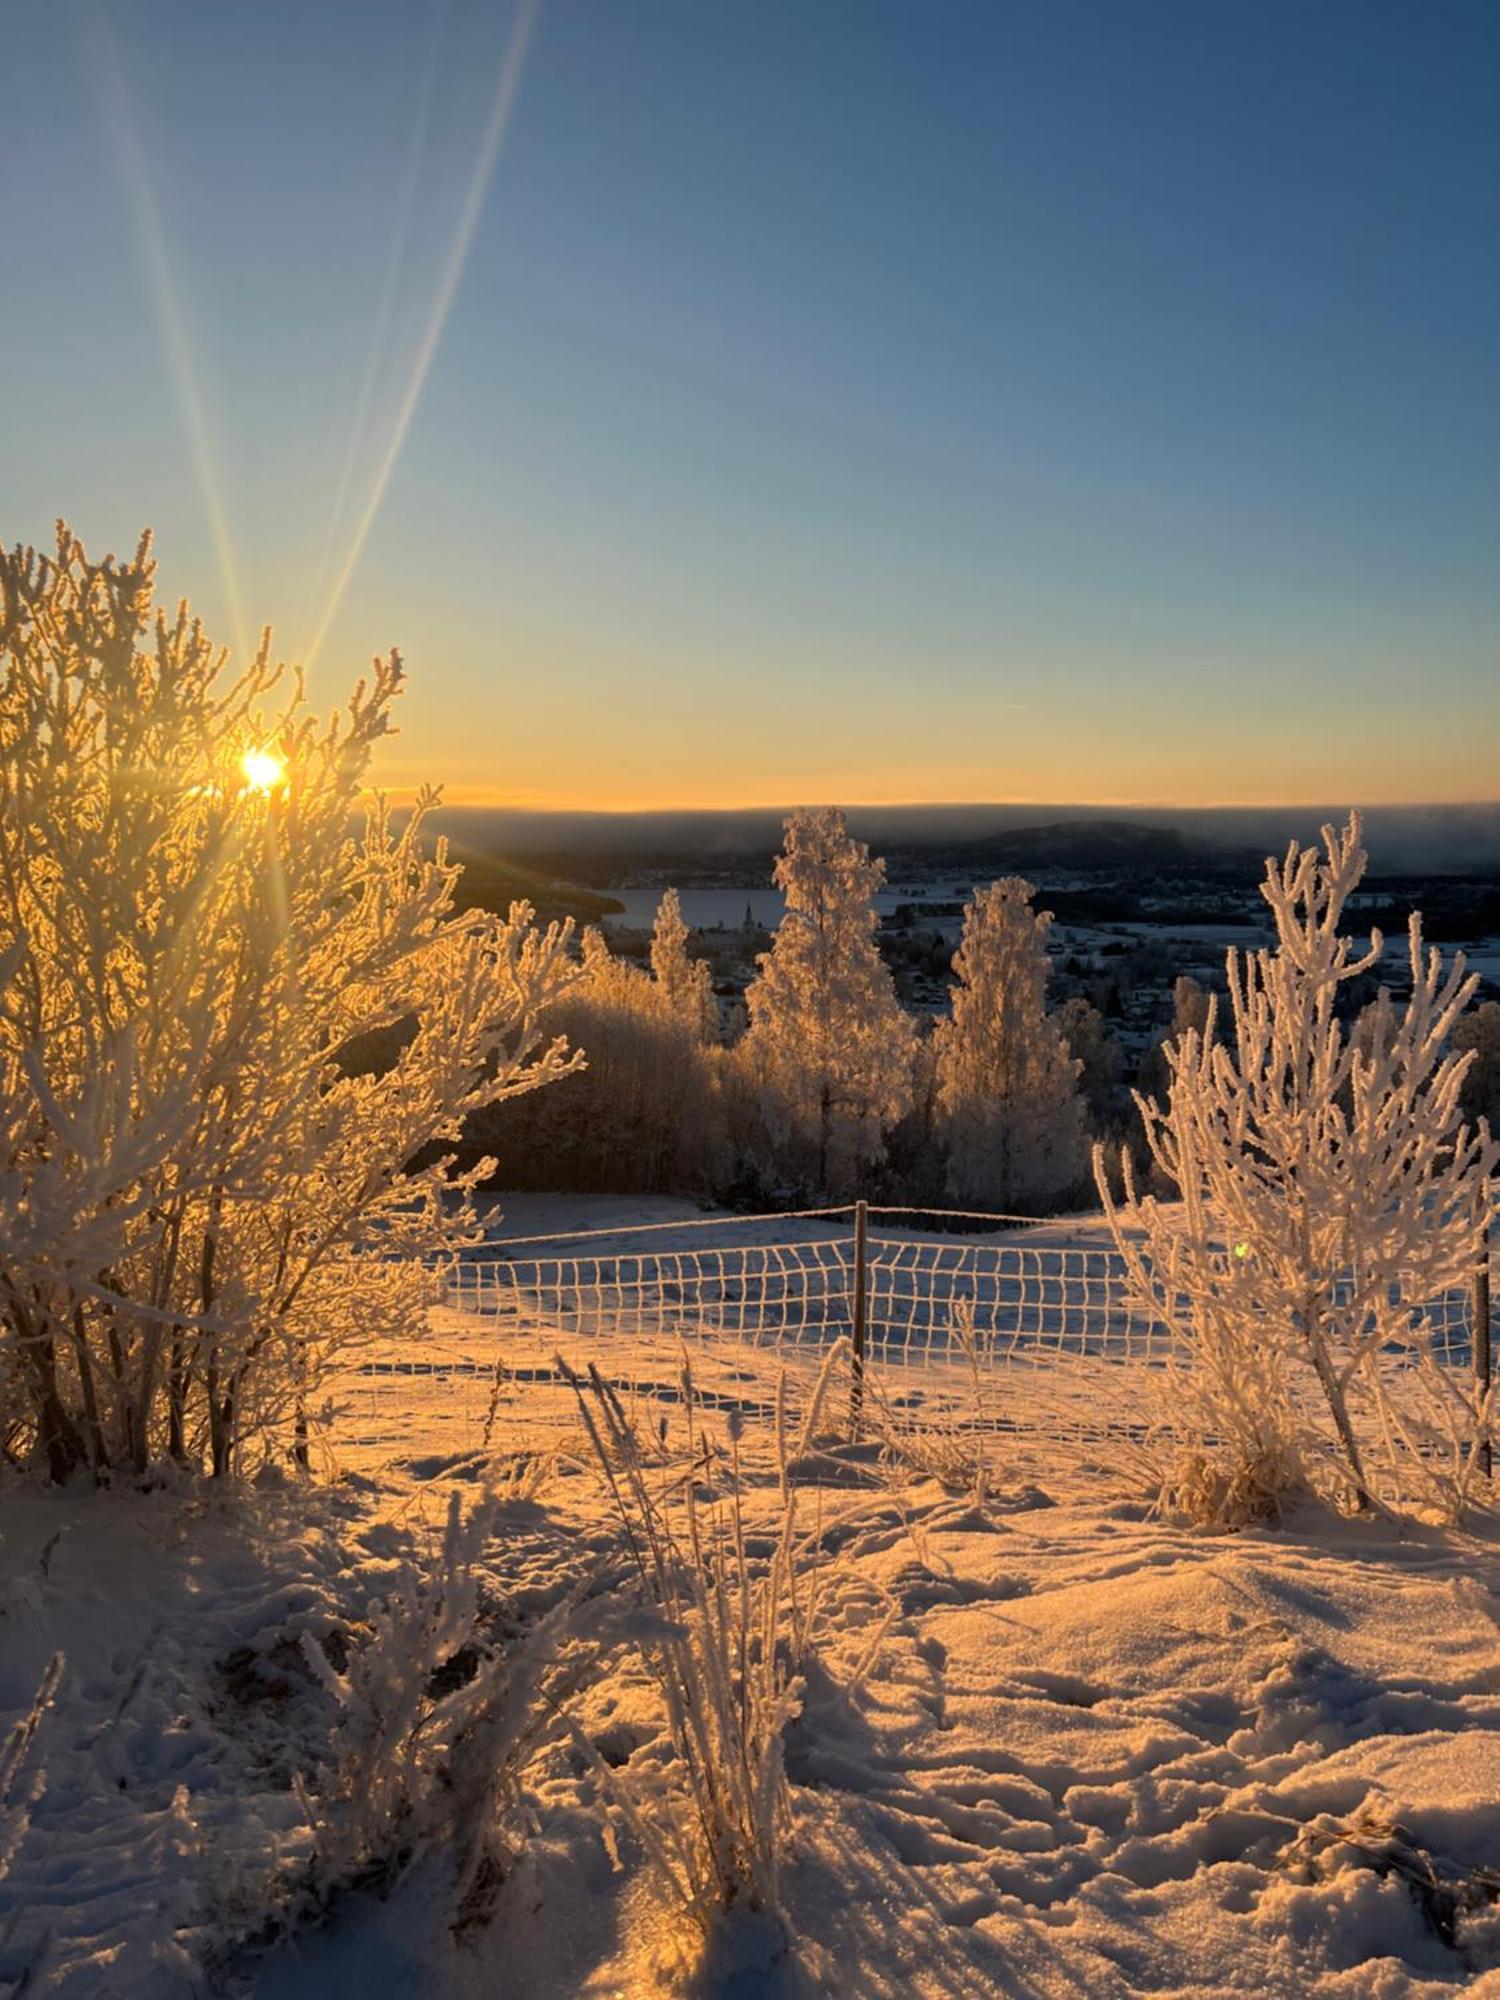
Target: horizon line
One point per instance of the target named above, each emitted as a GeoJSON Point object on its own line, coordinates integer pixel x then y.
{"type": "Point", "coordinates": [461, 799]}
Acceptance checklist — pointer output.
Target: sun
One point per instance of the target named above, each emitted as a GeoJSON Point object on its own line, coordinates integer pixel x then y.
{"type": "Point", "coordinates": [263, 770]}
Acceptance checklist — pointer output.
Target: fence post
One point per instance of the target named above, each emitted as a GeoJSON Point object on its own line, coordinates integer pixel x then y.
{"type": "Point", "coordinates": [860, 1305]}
{"type": "Point", "coordinates": [1482, 1323]}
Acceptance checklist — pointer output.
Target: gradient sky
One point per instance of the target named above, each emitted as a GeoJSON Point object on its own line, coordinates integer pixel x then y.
{"type": "Point", "coordinates": [857, 401]}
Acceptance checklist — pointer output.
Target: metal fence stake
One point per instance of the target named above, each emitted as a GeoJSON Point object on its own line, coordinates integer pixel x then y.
{"type": "Point", "coordinates": [861, 1310]}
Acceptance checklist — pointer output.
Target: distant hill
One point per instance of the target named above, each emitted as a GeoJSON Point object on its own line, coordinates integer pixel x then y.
{"type": "Point", "coordinates": [957, 840]}
{"type": "Point", "coordinates": [599, 847]}
{"type": "Point", "coordinates": [1099, 846]}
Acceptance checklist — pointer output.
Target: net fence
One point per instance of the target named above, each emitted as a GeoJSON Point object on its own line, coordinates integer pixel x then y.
{"type": "Point", "coordinates": [1043, 1343]}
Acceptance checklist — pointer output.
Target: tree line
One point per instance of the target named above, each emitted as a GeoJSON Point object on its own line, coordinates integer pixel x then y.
{"type": "Point", "coordinates": [832, 1088]}
{"type": "Point", "coordinates": [828, 1088]}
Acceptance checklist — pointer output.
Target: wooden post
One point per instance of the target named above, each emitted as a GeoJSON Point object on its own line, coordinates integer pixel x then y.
{"type": "Point", "coordinates": [1482, 1359]}
{"type": "Point", "coordinates": [860, 1308]}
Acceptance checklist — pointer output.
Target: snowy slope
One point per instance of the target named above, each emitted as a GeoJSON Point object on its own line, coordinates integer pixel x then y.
{"type": "Point", "coordinates": [1094, 1755]}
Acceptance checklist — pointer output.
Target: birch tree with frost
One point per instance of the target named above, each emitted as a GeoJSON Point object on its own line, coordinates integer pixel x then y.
{"type": "Point", "coordinates": [686, 983]}
{"type": "Point", "coordinates": [1330, 1193]}
{"type": "Point", "coordinates": [828, 1039]}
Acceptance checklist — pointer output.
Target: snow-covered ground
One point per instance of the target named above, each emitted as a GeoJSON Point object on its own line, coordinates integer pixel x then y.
{"type": "Point", "coordinates": [1093, 1754]}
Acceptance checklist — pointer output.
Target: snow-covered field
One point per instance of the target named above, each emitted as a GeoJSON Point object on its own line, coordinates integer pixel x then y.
{"type": "Point", "coordinates": [1092, 1754]}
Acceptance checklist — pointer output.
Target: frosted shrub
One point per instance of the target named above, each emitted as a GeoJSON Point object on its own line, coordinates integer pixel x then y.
{"type": "Point", "coordinates": [644, 1114]}
{"type": "Point", "coordinates": [1098, 1056]}
{"type": "Point", "coordinates": [193, 942]}
{"type": "Point", "coordinates": [436, 1724]}
{"type": "Point", "coordinates": [723, 1643]}
{"type": "Point", "coordinates": [22, 1775]}
{"type": "Point", "coordinates": [1329, 1193]}
{"type": "Point", "coordinates": [1457, 1902]}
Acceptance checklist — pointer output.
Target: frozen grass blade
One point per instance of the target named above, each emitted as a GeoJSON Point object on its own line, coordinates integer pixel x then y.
{"type": "Point", "coordinates": [723, 1645]}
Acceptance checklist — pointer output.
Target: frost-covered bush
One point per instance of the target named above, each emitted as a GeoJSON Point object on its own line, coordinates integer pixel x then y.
{"type": "Point", "coordinates": [23, 1775]}
{"type": "Point", "coordinates": [1328, 1193]}
{"type": "Point", "coordinates": [1192, 1008]}
{"type": "Point", "coordinates": [645, 1114]}
{"type": "Point", "coordinates": [723, 1639]}
{"type": "Point", "coordinates": [1479, 1030]}
{"type": "Point", "coordinates": [1098, 1056]}
{"type": "Point", "coordinates": [193, 932]}
{"type": "Point", "coordinates": [437, 1721]}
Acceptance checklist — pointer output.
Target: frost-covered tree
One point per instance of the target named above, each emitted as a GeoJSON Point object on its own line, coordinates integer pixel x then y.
{"type": "Point", "coordinates": [1009, 1113]}
{"type": "Point", "coordinates": [1479, 1030]}
{"type": "Point", "coordinates": [828, 1041]}
{"type": "Point", "coordinates": [686, 983]}
{"type": "Point", "coordinates": [1098, 1056]}
{"type": "Point", "coordinates": [191, 938]}
{"type": "Point", "coordinates": [1191, 1010]}
{"type": "Point", "coordinates": [914, 1165]}
{"type": "Point", "coordinates": [1329, 1194]}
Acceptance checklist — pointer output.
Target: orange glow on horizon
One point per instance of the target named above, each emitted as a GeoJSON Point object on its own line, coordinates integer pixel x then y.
{"type": "Point", "coordinates": [729, 753]}
{"type": "Point", "coordinates": [401, 790]}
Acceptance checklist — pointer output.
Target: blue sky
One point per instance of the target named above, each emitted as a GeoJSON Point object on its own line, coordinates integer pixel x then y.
{"type": "Point", "coordinates": [1047, 401]}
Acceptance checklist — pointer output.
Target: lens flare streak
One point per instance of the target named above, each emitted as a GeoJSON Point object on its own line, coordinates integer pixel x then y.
{"type": "Point", "coordinates": [114, 95]}
{"type": "Point", "coordinates": [452, 272]}
{"type": "Point", "coordinates": [389, 288]}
